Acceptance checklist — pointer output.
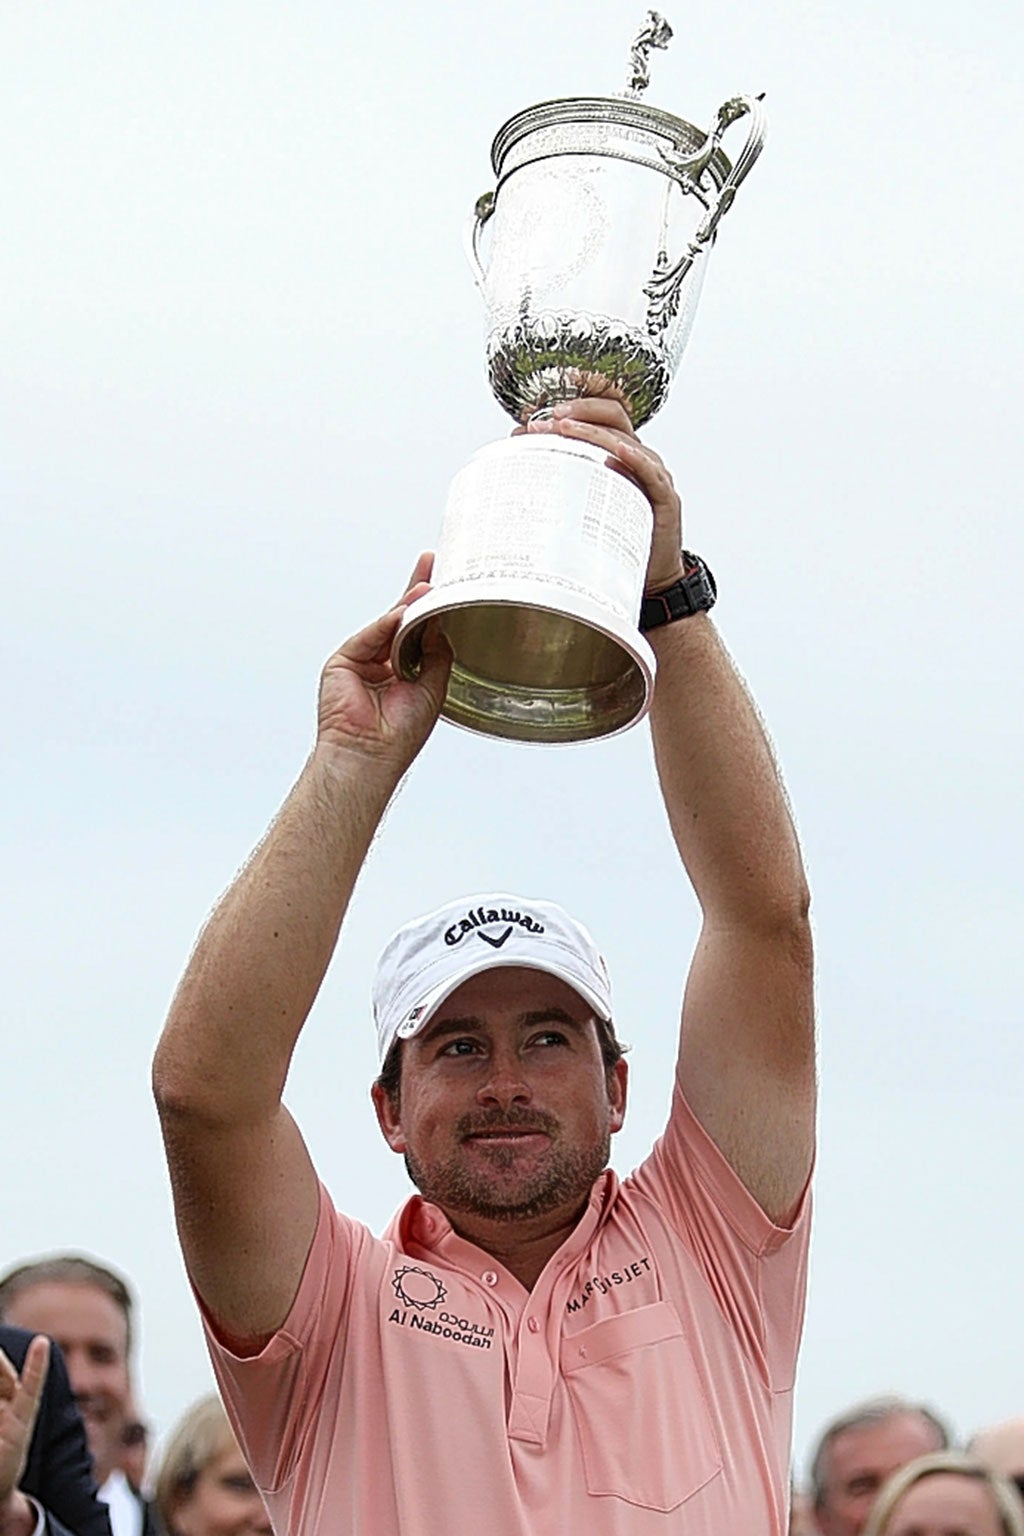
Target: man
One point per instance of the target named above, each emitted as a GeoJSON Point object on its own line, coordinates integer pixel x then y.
{"type": "Point", "coordinates": [858, 1451]}
{"type": "Point", "coordinates": [532, 1347]}
{"type": "Point", "coordinates": [46, 1482]}
{"type": "Point", "coordinates": [134, 1457]}
{"type": "Point", "coordinates": [87, 1310]}
{"type": "Point", "coordinates": [1001, 1448]}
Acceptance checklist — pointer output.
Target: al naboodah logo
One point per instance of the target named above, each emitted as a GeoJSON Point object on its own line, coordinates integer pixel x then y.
{"type": "Point", "coordinates": [418, 1288]}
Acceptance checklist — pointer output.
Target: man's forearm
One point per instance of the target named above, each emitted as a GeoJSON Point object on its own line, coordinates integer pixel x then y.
{"type": "Point", "coordinates": [725, 801]}
{"type": "Point", "coordinates": [262, 956]}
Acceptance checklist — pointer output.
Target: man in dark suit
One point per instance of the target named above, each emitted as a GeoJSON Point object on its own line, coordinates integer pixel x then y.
{"type": "Point", "coordinates": [46, 1480]}
{"type": "Point", "coordinates": [87, 1309]}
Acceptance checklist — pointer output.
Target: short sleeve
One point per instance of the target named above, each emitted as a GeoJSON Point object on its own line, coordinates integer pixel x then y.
{"type": "Point", "coordinates": [756, 1271]}
{"type": "Point", "coordinates": [273, 1398]}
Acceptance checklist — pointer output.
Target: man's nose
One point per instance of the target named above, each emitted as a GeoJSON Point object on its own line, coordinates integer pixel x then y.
{"type": "Point", "coordinates": [506, 1082]}
{"type": "Point", "coordinates": [86, 1380]}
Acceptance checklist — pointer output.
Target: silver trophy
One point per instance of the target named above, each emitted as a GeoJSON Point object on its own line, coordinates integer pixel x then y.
{"type": "Point", "coordinates": [603, 217]}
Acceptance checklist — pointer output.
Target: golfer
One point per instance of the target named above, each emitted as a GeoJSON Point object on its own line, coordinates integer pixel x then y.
{"type": "Point", "coordinates": [532, 1348]}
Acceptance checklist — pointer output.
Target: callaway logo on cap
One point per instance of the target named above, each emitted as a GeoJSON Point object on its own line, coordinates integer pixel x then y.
{"type": "Point", "coordinates": [431, 956]}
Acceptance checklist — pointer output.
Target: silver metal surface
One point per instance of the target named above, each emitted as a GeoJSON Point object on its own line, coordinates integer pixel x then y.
{"type": "Point", "coordinates": [600, 224]}
{"type": "Point", "coordinates": [602, 219]}
{"type": "Point", "coordinates": [655, 33]}
{"type": "Point", "coordinates": [538, 579]}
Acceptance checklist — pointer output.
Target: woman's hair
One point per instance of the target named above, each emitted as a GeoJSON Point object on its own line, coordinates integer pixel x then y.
{"type": "Point", "coordinates": [1004, 1495]}
{"type": "Point", "coordinates": [198, 1437]}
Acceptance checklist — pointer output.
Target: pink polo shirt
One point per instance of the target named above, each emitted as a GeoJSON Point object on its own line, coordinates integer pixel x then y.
{"type": "Point", "coordinates": [642, 1387]}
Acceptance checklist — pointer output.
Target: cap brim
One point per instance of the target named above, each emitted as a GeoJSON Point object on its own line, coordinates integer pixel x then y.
{"type": "Point", "coordinates": [428, 1006]}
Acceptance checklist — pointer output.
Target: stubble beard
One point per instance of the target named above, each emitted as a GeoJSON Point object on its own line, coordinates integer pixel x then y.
{"type": "Point", "coordinates": [566, 1178]}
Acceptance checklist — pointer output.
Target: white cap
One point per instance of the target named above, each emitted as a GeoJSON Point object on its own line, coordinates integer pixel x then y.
{"type": "Point", "coordinates": [428, 958]}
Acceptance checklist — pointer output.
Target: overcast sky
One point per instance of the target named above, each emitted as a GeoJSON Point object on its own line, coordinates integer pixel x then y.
{"type": "Point", "coordinates": [241, 358]}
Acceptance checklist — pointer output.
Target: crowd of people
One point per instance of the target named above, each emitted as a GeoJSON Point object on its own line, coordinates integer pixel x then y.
{"type": "Point", "coordinates": [885, 1467]}
{"type": "Point", "coordinates": [888, 1467]}
{"type": "Point", "coordinates": [74, 1449]}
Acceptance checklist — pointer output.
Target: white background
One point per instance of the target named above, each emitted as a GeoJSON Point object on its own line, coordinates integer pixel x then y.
{"type": "Point", "coordinates": [240, 360]}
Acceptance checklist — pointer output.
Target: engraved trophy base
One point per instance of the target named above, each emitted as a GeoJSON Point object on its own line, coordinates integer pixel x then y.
{"type": "Point", "coordinates": [538, 581]}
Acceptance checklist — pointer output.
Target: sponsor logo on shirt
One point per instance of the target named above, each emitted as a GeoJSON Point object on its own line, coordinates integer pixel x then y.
{"type": "Point", "coordinates": [422, 1291]}
{"type": "Point", "coordinates": [478, 918]}
{"type": "Point", "coordinates": [418, 1288]}
{"type": "Point", "coordinates": [600, 1285]}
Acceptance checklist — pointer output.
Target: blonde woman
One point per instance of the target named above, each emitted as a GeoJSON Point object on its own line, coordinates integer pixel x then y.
{"type": "Point", "coordinates": [203, 1487]}
{"type": "Point", "coordinates": [946, 1494]}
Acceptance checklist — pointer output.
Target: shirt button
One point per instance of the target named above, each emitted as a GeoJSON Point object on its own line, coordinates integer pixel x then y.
{"type": "Point", "coordinates": [489, 1277]}
{"type": "Point", "coordinates": [532, 1324]}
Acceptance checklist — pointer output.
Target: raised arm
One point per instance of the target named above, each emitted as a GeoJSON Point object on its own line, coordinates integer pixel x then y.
{"type": "Point", "coordinates": [746, 1056]}
{"type": "Point", "coordinates": [245, 1192]}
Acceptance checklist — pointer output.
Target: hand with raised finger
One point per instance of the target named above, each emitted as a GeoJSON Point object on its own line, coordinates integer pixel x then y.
{"type": "Point", "coordinates": [604, 421]}
{"type": "Point", "coordinates": [20, 1397]}
{"type": "Point", "coordinates": [365, 707]}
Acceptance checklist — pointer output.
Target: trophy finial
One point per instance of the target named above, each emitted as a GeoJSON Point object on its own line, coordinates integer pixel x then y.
{"type": "Point", "coordinates": [655, 33]}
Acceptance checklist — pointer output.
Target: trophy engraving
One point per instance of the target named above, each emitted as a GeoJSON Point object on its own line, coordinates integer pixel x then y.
{"type": "Point", "coordinates": [597, 233]}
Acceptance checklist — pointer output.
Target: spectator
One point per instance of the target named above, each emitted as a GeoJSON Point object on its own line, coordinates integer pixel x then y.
{"type": "Point", "coordinates": [87, 1310]}
{"type": "Point", "coordinates": [946, 1494]}
{"type": "Point", "coordinates": [203, 1486]}
{"type": "Point", "coordinates": [1001, 1448]}
{"type": "Point", "coordinates": [134, 1446]}
{"type": "Point", "coordinates": [859, 1450]}
{"type": "Point", "coordinates": [47, 1486]}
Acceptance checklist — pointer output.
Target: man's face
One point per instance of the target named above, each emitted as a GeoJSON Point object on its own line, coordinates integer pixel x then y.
{"type": "Point", "coordinates": [506, 1110]}
{"type": "Point", "coordinates": [860, 1460]}
{"type": "Point", "coordinates": [92, 1332]}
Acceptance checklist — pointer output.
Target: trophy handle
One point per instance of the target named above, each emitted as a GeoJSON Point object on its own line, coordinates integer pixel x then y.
{"type": "Point", "coordinates": [482, 210]}
{"type": "Point", "coordinates": [665, 287]}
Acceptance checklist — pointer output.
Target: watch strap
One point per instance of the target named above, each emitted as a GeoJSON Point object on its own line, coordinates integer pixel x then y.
{"type": "Point", "coordinates": [695, 592]}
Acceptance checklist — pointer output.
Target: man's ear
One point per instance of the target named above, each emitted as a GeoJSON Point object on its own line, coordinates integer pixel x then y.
{"type": "Point", "coordinates": [388, 1117]}
{"type": "Point", "coordinates": [617, 1085]}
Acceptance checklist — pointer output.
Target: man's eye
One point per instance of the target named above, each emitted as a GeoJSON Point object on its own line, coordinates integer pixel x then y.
{"type": "Point", "coordinates": [859, 1486]}
{"type": "Point", "coordinates": [460, 1047]}
{"type": "Point", "coordinates": [549, 1037]}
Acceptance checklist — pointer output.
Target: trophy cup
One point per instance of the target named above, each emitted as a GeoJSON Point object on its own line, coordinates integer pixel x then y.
{"type": "Point", "coordinates": [604, 213]}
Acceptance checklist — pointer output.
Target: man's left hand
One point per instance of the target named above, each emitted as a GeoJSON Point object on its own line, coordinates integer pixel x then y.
{"type": "Point", "coordinates": [603, 421]}
{"type": "Point", "coordinates": [20, 1397]}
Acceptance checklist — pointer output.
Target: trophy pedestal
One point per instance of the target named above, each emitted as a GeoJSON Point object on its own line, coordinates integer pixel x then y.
{"type": "Point", "coordinates": [538, 581]}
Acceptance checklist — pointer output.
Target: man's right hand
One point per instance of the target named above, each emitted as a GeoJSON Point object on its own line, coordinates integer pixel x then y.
{"type": "Point", "coordinates": [365, 707]}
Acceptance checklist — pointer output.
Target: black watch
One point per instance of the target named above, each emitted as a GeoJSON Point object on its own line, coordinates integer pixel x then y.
{"type": "Point", "coordinates": [694, 593]}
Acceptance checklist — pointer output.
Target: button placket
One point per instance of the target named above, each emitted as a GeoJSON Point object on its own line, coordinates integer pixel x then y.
{"type": "Point", "coordinates": [533, 1379]}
